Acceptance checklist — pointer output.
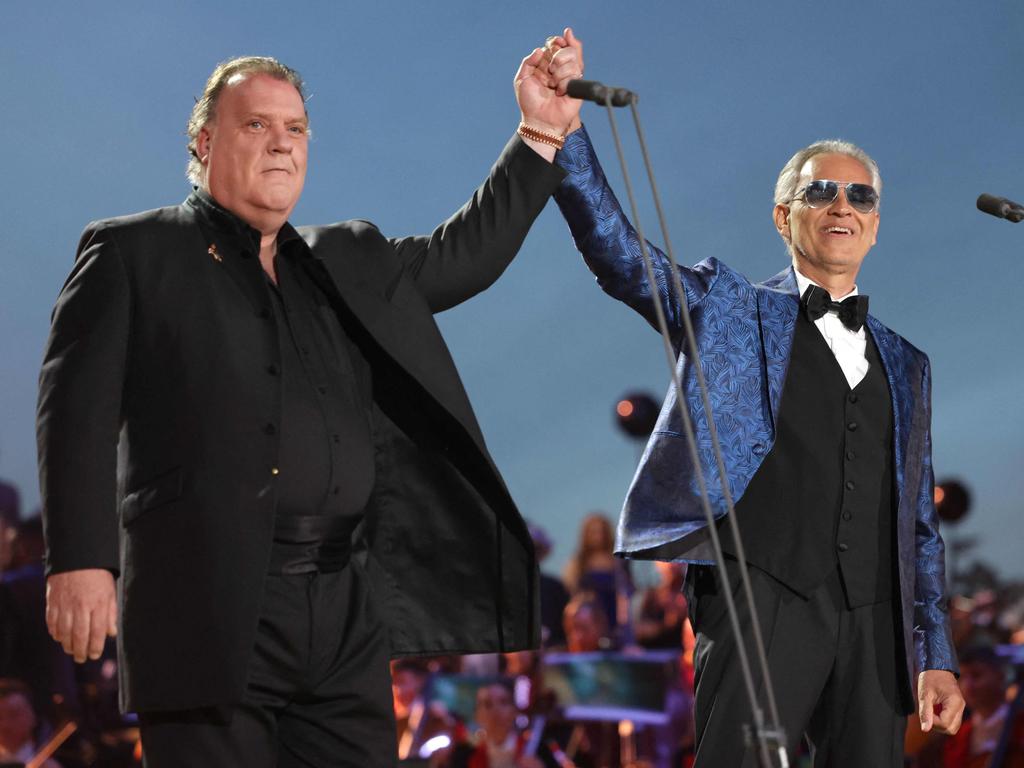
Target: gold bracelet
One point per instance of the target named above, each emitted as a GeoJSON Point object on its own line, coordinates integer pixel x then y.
{"type": "Point", "coordinates": [551, 139]}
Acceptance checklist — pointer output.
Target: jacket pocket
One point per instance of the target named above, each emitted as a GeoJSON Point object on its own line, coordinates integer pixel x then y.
{"type": "Point", "coordinates": [161, 490]}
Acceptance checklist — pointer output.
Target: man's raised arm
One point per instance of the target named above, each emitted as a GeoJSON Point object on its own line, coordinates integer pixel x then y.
{"type": "Point", "coordinates": [470, 250]}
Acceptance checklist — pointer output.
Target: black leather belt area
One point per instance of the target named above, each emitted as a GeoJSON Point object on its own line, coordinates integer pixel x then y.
{"type": "Point", "coordinates": [311, 543]}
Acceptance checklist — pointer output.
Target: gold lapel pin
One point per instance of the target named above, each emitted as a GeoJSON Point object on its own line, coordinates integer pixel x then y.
{"type": "Point", "coordinates": [212, 250]}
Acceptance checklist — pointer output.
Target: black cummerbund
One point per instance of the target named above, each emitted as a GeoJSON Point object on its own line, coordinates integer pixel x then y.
{"type": "Point", "coordinates": [319, 543]}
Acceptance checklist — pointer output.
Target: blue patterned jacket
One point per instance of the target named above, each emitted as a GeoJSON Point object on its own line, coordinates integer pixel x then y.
{"type": "Point", "coordinates": [744, 335]}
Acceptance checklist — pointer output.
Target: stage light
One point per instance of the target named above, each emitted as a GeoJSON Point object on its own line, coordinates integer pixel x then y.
{"type": "Point", "coordinates": [636, 413]}
{"type": "Point", "coordinates": [952, 500]}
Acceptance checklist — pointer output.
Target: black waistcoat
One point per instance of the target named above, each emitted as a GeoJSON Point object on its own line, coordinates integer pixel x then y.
{"type": "Point", "coordinates": [825, 491]}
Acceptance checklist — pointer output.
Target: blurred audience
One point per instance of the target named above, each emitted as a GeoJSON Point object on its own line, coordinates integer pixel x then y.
{"type": "Point", "coordinates": [10, 511]}
{"type": "Point", "coordinates": [594, 568]}
{"type": "Point", "coordinates": [500, 743]}
{"type": "Point", "coordinates": [661, 614]}
{"type": "Point", "coordinates": [27, 651]}
{"type": "Point", "coordinates": [553, 594]}
{"type": "Point", "coordinates": [40, 686]}
{"type": "Point", "coordinates": [417, 721]}
{"type": "Point", "coordinates": [20, 735]}
{"type": "Point", "coordinates": [586, 625]}
{"type": "Point", "coordinates": [988, 720]}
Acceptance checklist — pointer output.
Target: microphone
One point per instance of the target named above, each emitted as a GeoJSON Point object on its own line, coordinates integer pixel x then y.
{"type": "Point", "coordinates": [999, 207]}
{"type": "Point", "coordinates": [591, 90]}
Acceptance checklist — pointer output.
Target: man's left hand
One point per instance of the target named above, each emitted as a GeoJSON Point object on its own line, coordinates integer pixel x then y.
{"type": "Point", "coordinates": [939, 703]}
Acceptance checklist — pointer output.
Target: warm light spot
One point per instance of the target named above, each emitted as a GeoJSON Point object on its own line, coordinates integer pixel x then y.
{"type": "Point", "coordinates": [624, 409]}
{"type": "Point", "coordinates": [940, 494]}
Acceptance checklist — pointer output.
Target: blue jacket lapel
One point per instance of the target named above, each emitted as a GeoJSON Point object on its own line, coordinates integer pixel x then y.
{"type": "Point", "coordinates": [777, 304]}
{"type": "Point", "coordinates": [895, 365]}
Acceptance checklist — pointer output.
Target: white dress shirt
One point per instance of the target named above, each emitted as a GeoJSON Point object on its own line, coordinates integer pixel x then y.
{"type": "Point", "coordinates": [848, 346]}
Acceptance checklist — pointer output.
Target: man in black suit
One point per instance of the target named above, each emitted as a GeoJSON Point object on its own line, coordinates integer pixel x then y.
{"type": "Point", "coordinates": [259, 433]}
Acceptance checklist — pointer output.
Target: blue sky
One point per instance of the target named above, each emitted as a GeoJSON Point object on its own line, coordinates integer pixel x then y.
{"type": "Point", "coordinates": [412, 101]}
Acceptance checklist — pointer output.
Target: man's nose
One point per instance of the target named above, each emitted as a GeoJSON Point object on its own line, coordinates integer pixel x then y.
{"type": "Point", "coordinates": [840, 206]}
{"type": "Point", "coordinates": [279, 139]}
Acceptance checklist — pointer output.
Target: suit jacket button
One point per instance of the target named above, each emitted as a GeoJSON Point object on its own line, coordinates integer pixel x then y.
{"type": "Point", "coordinates": [272, 370]}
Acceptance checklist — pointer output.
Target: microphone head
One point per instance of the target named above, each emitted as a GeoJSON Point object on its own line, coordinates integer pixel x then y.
{"type": "Point", "coordinates": [588, 90]}
{"type": "Point", "coordinates": [622, 97]}
{"type": "Point", "coordinates": [994, 206]}
{"type": "Point", "coordinates": [591, 90]}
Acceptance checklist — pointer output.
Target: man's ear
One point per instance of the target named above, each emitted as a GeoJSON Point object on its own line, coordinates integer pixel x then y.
{"type": "Point", "coordinates": [203, 141]}
{"type": "Point", "coordinates": [780, 214]}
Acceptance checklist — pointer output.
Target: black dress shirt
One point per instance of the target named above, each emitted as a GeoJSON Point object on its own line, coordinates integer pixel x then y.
{"type": "Point", "coordinates": [326, 454]}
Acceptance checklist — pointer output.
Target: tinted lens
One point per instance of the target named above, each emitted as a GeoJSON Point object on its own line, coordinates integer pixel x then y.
{"type": "Point", "coordinates": [862, 197]}
{"type": "Point", "coordinates": [820, 192]}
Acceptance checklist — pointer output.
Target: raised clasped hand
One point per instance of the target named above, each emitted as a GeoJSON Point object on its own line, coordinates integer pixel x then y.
{"type": "Point", "coordinates": [541, 81]}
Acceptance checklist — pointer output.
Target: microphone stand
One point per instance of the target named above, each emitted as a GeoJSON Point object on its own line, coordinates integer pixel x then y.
{"type": "Point", "coordinates": [770, 741]}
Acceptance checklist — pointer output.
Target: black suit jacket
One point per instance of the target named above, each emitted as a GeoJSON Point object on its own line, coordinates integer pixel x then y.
{"type": "Point", "coordinates": [155, 460]}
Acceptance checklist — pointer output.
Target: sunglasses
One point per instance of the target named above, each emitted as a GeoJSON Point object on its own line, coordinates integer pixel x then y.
{"type": "Point", "coordinates": [822, 192]}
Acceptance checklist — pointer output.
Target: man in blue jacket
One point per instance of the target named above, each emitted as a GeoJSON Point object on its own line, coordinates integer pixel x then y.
{"type": "Point", "coordinates": [823, 415]}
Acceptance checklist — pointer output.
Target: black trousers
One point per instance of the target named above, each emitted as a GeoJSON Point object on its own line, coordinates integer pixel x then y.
{"type": "Point", "coordinates": [835, 672]}
{"type": "Point", "coordinates": [318, 692]}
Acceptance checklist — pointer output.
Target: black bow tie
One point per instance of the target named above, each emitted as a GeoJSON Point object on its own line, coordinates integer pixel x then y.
{"type": "Point", "coordinates": [852, 311]}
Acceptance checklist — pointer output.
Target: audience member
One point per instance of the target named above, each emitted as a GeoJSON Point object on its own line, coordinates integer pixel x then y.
{"type": "Point", "coordinates": [10, 502]}
{"type": "Point", "coordinates": [553, 594]}
{"type": "Point", "coordinates": [10, 512]}
{"type": "Point", "coordinates": [416, 721]}
{"type": "Point", "coordinates": [19, 724]}
{"type": "Point", "coordinates": [26, 649]}
{"type": "Point", "coordinates": [595, 569]}
{"type": "Point", "coordinates": [586, 625]}
{"type": "Point", "coordinates": [662, 612]}
{"type": "Point", "coordinates": [984, 685]}
{"type": "Point", "coordinates": [500, 743]}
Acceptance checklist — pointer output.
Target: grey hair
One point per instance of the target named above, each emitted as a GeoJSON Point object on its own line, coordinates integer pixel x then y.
{"type": "Point", "coordinates": [205, 108]}
{"type": "Point", "coordinates": [789, 177]}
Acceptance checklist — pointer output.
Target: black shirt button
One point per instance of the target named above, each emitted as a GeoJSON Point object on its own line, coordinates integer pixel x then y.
{"type": "Point", "coordinates": [304, 349]}
{"type": "Point", "coordinates": [322, 390]}
{"type": "Point", "coordinates": [843, 547]}
{"type": "Point", "coordinates": [337, 490]}
{"type": "Point", "coordinates": [847, 515]}
{"type": "Point", "coordinates": [852, 426]}
{"type": "Point", "coordinates": [264, 314]}
{"type": "Point", "coordinates": [853, 397]}
{"type": "Point", "coordinates": [850, 485]}
{"type": "Point", "coordinates": [270, 429]}
{"type": "Point", "coordinates": [850, 455]}
{"type": "Point", "coordinates": [337, 438]}
{"type": "Point", "coordinates": [272, 370]}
